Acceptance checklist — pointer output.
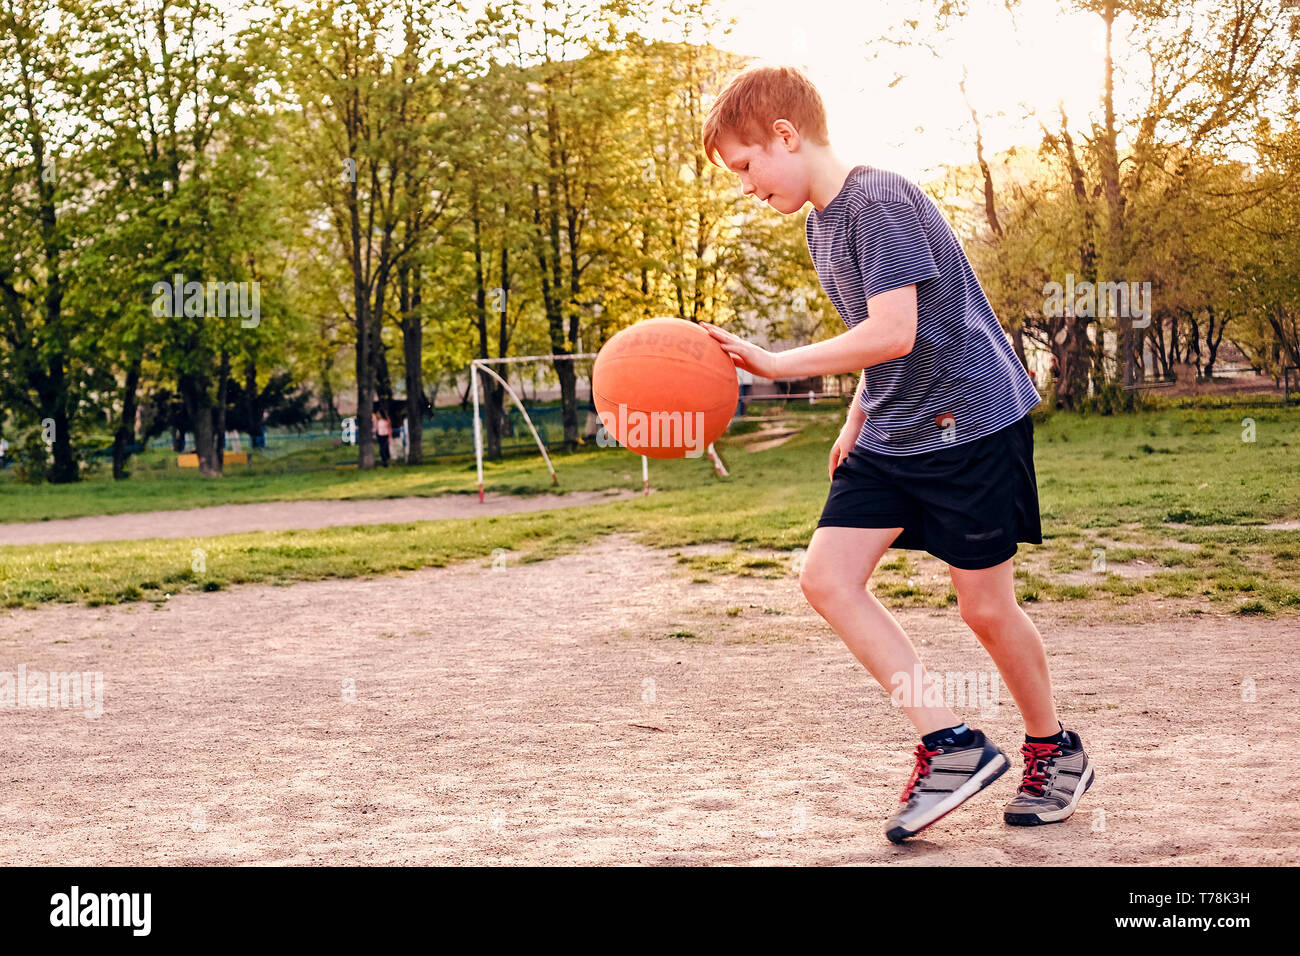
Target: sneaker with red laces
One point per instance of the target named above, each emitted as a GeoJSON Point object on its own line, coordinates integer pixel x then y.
{"type": "Point", "coordinates": [943, 779]}
{"type": "Point", "coordinates": [1056, 776]}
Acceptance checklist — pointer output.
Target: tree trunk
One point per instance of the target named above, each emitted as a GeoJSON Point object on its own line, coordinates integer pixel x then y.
{"type": "Point", "coordinates": [1071, 354]}
{"type": "Point", "coordinates": [361, 324]}
{"type": "Point", "coordinates": [492, 416]}
{"type": "Point", "coordinates": [52, 392]}
{"type": "Point", "coordinates": [1128, 356]}
{"type": "Point", "coordinates": [1098, 352]}
{"type": "Point", "coordinates": [53, 386]}
{"type": "Point", "coordinates": [555, 312]}
{"type": "Point", "coordinates": [365, 391]}
{"type": "Point", "coordinates": [125, 434]}
{"type": "Point", "coordinates": [412, 357]}
{"type": "Point", "coordinates": [1070, 345]}
{"type": "Point", "coordinates": [256, 430]}
{"type": "Point", "coordinates": [1194, 340]}
{"type": "Point", "coordinates": [1212, 340]}
{"type": "Point", "coordinates": [1290, 343]}
{"type": "Point", "coordinates": [500, 408]}
{"type": "Point", "coordinates": [489, 390]}
{"type": "Point", "coordinates": [219, 413]}
{"type": "Point", "coordinates": [1018, 344]}
{"type": "Point", "coordinates": [65, 465]}
{"type": "Point", "coordinates": [198, 409]}
{"type": "Point", "coordinates": [379, 359]}
{"type": "Point", "coordinates": [327, 394]}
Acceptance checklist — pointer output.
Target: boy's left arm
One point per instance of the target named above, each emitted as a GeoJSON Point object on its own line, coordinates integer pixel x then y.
{"type": "Point", "coordinates": [889, 333]}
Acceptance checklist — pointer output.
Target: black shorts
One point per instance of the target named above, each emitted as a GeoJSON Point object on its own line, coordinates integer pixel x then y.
{"type": "Point", "coordinates": [967, 505]}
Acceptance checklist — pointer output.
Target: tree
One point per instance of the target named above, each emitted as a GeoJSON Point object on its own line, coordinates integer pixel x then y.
{"type": "Point", "coordinates": [570, 99]}
{"type": "Point", "coordinates": [364, 133]}
{"type": "Point", "coordinates": [42, 364]}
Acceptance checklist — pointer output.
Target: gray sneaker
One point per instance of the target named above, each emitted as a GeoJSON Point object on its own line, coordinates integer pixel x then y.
{"type": "Point", "coordinates": [1056, 776]}
{"type": "Point", "coordinates": [943, 779]}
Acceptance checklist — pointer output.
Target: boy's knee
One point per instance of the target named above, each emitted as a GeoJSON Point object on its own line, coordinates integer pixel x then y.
{"type": "Point", "coordinates": [821, 585]}
{"type": "Point", "coordinates": [812, 581]}
{"type": "Point", "coordinates": [983, 614]}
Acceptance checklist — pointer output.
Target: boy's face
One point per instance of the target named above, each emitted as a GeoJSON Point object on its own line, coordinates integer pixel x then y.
{"type": "Point", "coordinates": [773, 172]}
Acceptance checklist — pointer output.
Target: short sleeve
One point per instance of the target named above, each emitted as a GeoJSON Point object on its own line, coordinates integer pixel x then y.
{"type": "Point", "coordinates": [892, 249]}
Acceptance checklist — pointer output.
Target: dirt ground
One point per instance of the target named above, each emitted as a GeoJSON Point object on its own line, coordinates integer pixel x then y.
{"type": "Point", "coordinates": [600, 708]}
{"type": "Point", "coordinates": [287, 515]}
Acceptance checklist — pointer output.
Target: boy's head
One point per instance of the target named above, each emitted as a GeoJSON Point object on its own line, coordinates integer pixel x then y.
{"type": "Point", "coordinates": [766, 127]}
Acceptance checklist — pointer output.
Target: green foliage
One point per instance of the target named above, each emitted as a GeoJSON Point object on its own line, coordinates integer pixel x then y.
{"type": "Point", "coordinates": [31, 458]}
{"type": "Point", "coordinates": [1153, 199]}
{"type": "Point", "coordinates": [522, 184]}
{"type": "Point", "coordinates": [1111, 398]}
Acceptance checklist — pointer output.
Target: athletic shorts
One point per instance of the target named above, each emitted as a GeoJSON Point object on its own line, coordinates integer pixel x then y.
{"type": "Point", "coordinates": [967, 505]}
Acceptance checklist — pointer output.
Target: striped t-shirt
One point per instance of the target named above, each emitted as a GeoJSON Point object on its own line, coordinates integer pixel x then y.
{"type": "Point", "coordinates": [962, 380]}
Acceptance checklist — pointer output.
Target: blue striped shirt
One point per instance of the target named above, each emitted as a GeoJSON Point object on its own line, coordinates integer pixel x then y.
{"type": "Point", "coordinates": [962, 380]}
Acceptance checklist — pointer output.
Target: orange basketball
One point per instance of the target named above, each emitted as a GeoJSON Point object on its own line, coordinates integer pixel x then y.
{"type": "Point", "coordinates": [664, 388]}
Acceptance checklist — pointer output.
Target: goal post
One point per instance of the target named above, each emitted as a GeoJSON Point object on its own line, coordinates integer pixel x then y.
{"type": "Point", "coordinates": [485, 366]}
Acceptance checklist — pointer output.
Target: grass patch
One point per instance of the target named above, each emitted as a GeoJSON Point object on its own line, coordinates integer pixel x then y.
{"type": "Point", "coordinates": [1219, 490]}
{"type": "Point", "coordinates": [1254, 607]}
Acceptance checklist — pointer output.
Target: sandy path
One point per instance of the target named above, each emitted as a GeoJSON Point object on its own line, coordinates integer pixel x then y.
{"type": "Point", "coordinates": [540, 714]}
{"type": "Point", "coordinates": [286, 515]}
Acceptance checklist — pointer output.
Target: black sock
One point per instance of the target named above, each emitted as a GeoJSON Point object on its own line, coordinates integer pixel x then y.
{"type": "Point", "coordinates": [959, 736]}
{"type": "Point", "coordinates": [1057, 738]}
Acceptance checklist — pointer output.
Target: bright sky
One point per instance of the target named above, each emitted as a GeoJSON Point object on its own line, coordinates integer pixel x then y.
{"type": "Point", "coordinates": [922, 122]}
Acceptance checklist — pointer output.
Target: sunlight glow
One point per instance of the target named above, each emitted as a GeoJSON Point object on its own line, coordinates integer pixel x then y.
{"type": "Point", "coordinates": [921, 122]}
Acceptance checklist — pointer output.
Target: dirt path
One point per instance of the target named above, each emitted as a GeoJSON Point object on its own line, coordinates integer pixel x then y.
{"type": "Point", "coordinates": [287, 515]}
{"type": "Point", "coordinates": [541, 713]}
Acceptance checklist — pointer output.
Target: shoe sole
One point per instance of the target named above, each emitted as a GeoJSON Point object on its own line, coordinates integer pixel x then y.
{"type": "Point", "coordinates": [981, 779]}
{"type": "Point", "coordinates": [1052, 816]}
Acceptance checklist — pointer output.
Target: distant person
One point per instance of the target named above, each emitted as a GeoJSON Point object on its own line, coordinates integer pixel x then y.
{"type": "Point", "coordinates": [4, 453]}
{"type": "Point", "coordinates": [383, 429]}
{"type": "Point", "coordinates": [403, 443]}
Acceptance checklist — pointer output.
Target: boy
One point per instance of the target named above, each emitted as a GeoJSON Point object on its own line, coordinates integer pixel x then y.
{"type": "Point", "coordinates": [937, 452]}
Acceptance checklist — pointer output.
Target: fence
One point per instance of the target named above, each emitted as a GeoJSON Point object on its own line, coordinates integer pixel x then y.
{"type": "Point", "coordinates": [448, 433]}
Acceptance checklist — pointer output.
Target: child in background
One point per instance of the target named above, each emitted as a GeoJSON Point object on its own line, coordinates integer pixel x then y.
{"type": "Point", "coordinates": [383, 429]}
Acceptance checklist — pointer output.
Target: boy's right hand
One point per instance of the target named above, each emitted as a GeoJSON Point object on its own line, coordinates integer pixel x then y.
{"type": "Point", "coordinates": [843, 445]}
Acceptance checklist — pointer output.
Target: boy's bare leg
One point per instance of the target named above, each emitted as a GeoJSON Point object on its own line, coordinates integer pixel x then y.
{"type": "Point", "coordinates": [836, 569]}
{"type": "Point", "coordinates": [987, 600]}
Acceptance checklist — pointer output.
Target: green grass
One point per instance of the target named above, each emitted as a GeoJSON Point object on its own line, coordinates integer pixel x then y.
{"type": "Point", "coordinates": [171, 488]}
{"type": "Point", "coordinates": [1095, 472]}
{"type": "Point", "coordinates": [1097, 484]}
{"type": "Point", "coordinates": [314, 473]}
